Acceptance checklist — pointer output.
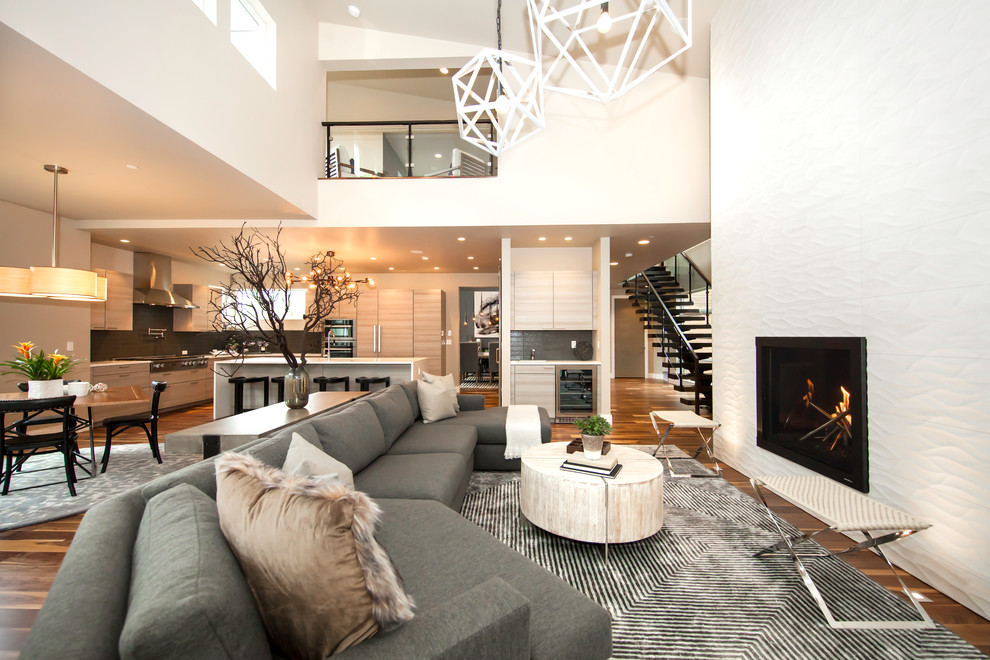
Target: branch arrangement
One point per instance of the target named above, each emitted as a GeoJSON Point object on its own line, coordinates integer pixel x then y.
{"type": "Point", "coordinates": [259, 271]}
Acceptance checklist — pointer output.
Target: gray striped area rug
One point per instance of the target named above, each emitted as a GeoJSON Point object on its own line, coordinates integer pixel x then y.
{"type": "Point", "coordinates": [694, 590]}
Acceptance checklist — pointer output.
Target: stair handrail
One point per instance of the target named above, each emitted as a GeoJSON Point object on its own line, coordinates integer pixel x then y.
{"type": "Point", "coordinates": [673, 321]}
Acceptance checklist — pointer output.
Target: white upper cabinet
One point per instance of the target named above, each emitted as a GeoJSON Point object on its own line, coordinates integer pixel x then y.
{"type": "Point", "coordinates": [552, 300]}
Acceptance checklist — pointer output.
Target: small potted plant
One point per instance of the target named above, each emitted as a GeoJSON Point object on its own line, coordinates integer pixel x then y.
{"type": "Point", "coordinates": [593, 431]}
{"type": "Point", "coordinates": [44, 373]}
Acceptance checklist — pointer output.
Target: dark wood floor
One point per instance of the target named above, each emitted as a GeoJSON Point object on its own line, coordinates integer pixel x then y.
{"type": "Point", "coordinates": [30, 556]}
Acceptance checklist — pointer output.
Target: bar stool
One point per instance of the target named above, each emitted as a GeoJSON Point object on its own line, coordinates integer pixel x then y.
{"type": "Point", "coordinates": [280, 381]}
{"type": "Point", "coordinates": [239, 382]}
{"type": "Point", "coordinates": [367, 381]}
{"type": "Point", "coordinates": [324, 381]}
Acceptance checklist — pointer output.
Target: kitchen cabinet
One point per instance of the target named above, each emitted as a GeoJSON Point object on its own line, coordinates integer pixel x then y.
{"type": "Point", "coordinates": [117, 312]}
{"type": "Point", "coordinates": [185, 387]}
{"type": "Point", "coordinates": [552, 300]}
{"type": "Point", "coordinates": [194, 320]}
{"type": "Point", "coordinates": [384, 326]}
{"type": "Point", "coordinates": [430, 328]}
{"type": "Point", "coordinates": [123, 374]}
{"type": "Point", "coordinates": [535, 385]}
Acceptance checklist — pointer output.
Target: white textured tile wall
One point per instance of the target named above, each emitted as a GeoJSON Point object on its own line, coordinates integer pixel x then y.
{"type": "Point", "coordinates": [850, 151]}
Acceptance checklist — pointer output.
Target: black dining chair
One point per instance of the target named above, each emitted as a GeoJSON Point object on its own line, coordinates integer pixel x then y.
{"type": "Point", "coordinates": [494, 353]}
{"type": "Point", "coordinates": [147, 421]}
{"type": "Point", "coordinates": [21, 439]}
{"type": "Point", "coordinates": [469, 358]}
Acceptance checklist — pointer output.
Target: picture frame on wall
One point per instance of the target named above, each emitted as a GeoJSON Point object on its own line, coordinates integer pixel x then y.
{"type": "Point", "coordinates": [486, 314]}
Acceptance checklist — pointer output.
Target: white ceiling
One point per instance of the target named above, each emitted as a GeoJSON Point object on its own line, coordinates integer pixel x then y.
{"type": "Point", "coordinates": [52, 113]}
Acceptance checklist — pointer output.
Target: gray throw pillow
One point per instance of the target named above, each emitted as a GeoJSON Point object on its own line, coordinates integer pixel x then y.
{"type": "Point", "coordinates": [434, 404]}
{"type": "Point", "coordinates": [448, 384]}
{"type": "Point", "coordinates": [307, 460]}
{"type": "Point", "coordinates": [188, 596]}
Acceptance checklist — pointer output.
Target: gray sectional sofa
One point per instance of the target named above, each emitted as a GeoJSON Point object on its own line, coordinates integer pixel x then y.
{"type": "Point", "coordinates": [475, 597]}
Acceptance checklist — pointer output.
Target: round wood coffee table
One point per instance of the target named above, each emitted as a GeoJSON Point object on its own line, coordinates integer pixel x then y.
{"type": "Point", "coordinates": [591, 508]}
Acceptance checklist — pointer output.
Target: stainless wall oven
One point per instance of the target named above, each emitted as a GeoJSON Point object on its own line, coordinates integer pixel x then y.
{"type": "Point", "coordinates": [338, 338]}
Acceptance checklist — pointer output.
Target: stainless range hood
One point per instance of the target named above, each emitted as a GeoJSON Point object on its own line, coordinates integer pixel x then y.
{"type": "Point", "coordinates": [153, 282]}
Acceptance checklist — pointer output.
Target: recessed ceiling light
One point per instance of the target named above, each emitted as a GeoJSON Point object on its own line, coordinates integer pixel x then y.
{"type": "Point", "coordinates": [415, 251]}
{"type": "Point", "coordinates": [373, 258]}
{"type": "Point", "coordinates": [391, 267]}
{"type": "Point", "coordinates": [470, 258]}
{"type": "Point", "coordinates": [438, 155]}
{"type": "Point", "coordinates": [444, 70]}
{"type": "Point", "coordinates": [542, 238]}
{"type": "Point", "coordinates": [568, 238]}
{"type": "Point", "coordinates": [298, 269]}
{"type": "Point", "coordinates": [436, 268]}
{"type": "Point", "coordinates": [426, 258]}
{"type": "Point", "coordinates": [124, 240]}
{"type": "Point", "coordinates": [613, 263]}
{"type": "Point", "coordinates": [131, 167]}
{"type": "Point", "coordinates": [461, 238]}
{"type": "Point", "coordinates": [645, 241]}
{"type": "Point", "coordinates": [353, 11]}
{"type": "Point", "coordinates": [476, 268]}
{"type": "Point", "coordinates": [628, 254]}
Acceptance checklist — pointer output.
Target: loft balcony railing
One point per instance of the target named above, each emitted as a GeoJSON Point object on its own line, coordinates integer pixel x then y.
{"type": "Point", "coordinates": [402, 149]}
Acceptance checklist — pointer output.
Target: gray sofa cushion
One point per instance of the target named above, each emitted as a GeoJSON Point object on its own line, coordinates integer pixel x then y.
{"type": "Point", "coordinates": [418, 476]}
{"type": "Point", "coordinates": [83, 615]}
{"type": "Point", "coordinates": [490, 423]}
{"type": "Point", "coordinates": [353, 436]}
{"type": "Point", "coordinates": [564, 623]}
{"type": "Point", "coordinates": [188, 597]}
{"type": "Point", "coordinates": [411, 388]}
{"type": "Point", "coordinates": [394, 412]}
{"type": "Point", "coordinates": [423, 438]}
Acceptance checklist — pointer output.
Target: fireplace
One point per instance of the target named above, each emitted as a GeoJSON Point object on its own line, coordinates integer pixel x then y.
{"type": "Point", "coordinates": [811, 404]}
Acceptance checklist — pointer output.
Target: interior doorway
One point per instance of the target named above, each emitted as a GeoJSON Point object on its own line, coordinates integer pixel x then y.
{"type": "Point", "coordinates": [630, 344]}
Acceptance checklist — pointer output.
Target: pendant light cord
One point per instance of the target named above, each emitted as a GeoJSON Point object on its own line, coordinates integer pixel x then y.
{"type": "Point", "coordinates": [498, 23]}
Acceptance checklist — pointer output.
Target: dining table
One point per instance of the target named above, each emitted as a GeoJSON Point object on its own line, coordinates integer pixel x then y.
{"type": "Point", "coordinates": [112, 396]}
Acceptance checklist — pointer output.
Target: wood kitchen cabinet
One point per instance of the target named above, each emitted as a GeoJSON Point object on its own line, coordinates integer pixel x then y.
{"type": "Point", "coordinates": [117, 312]}
{"type": "Point", "coordinates": [121, 374]}
{"type": "Point", "coordinates": [193, 320]}
{"type": "Point", "coordinates": [552, 300]}
{"type": "Point", "coordinates": [535, 385]}
{"type": "Point", "coordinates": [430, 328]}
{"type": "Point", "coordinates": [384, 324]}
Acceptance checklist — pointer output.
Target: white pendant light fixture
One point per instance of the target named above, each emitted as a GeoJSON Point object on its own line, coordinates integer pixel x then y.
{"type": "Point", "coordinates": [601, 50]}
{"type": "Point", "coordinates": [503, 88]}
{"type": "Point", "coordinates": [53, 282]}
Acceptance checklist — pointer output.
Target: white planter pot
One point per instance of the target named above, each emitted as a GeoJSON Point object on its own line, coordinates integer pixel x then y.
{"type": "Point", "coordinates": [44, 389]}
{"type": "Point", "coordinates": [592, 445]}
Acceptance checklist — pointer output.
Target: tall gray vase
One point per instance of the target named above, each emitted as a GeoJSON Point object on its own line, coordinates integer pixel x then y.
{"type": "Point", "coordinates": [297, 387]}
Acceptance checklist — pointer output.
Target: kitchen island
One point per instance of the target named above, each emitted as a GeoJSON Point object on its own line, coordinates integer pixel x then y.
{"type": "Point", "coordinates": [399, 369]}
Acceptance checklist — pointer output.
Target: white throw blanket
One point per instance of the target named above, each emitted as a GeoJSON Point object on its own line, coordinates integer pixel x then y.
{"type": "Point", "coordinates": [522, 430]}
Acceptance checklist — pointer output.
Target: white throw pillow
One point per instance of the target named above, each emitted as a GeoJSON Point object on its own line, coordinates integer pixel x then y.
{"type": "Point", "coordinates": [306, 460]}
{"type": "Point", "coordinates": [448, 384]}
{"type": "Point", "coordinates": [434, 403]}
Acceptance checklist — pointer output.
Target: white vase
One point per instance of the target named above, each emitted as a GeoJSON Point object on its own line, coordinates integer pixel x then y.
{"type": "Point", "coordinates": [592, 445]}
{"type": "Point", "coordinates": [44, 389]}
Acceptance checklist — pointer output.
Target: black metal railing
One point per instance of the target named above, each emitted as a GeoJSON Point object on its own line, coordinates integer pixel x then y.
{"type": "Point", "coordinates": [663, 327]}
{"type": "Point", "coordinates": [430, 148]}
{"type": "Point", "coordinates": [693, 281]}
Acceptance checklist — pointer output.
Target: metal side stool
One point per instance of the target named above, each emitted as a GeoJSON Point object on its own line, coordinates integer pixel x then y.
{"type": "Point", "coordinates": [684, 419]}
{"type": "Point", "coordinates": [843, 510]}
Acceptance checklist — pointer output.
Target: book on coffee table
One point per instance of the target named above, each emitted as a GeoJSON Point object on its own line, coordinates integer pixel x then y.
{"type": "Point", "coordinates": [605, 462]}
{"type": "Point", "coordinates": [584, 469]}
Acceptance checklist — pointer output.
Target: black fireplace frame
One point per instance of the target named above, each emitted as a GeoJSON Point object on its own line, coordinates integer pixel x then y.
{"type": "Point", "coordinates": [859, 475]}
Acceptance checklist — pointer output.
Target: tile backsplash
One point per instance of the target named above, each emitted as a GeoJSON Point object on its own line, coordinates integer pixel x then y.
{"type": "Point", "coordinates": [549, 344]}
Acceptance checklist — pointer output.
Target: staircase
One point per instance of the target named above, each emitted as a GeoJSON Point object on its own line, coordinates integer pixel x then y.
{"type": "Point", "coordinates": [673, 302]}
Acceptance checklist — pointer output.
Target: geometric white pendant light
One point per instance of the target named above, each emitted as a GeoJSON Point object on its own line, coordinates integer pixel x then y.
{"type": "Point", "coordinates": [503, 88]}
{"type": "Point", "coordinates": [601, 50]}
{"type": "Point", "coordinates": [53, 282]}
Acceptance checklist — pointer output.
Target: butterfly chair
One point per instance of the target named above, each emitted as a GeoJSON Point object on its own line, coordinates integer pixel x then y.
{"type": "Point", "coordinates": [147, 421]}
{"type": "Point", "coordinates": [22, 439]}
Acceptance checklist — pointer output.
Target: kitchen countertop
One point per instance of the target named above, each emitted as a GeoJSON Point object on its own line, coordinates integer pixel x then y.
{"type": "Point", "coordinates": [278, 359]}
{"type": "Point", "coordinates": [117, 363]}
{"type": "Point", "coordinates": [517, 363]}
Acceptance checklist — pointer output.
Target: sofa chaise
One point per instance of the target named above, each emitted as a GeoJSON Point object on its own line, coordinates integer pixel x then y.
{"type": "Point", "coordinates": [474, 596]}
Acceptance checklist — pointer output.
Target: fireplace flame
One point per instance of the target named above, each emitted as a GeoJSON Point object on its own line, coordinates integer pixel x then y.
{"type": "Point", "coordinates": [843, 413]}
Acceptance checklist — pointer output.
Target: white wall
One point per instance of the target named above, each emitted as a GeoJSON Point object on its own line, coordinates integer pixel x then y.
{"type": "Point", "coordinates": [168, 59]}
{"type": "Point", "coordinates": [639, 159]}
{"type": "Point", "coordinates": [50, 325]}
{"type": "Point", "coordinates": [850, 146]}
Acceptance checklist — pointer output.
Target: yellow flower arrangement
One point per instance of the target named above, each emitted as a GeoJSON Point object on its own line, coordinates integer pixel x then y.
{"type": "Point", "coordinates": [53, 366]}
